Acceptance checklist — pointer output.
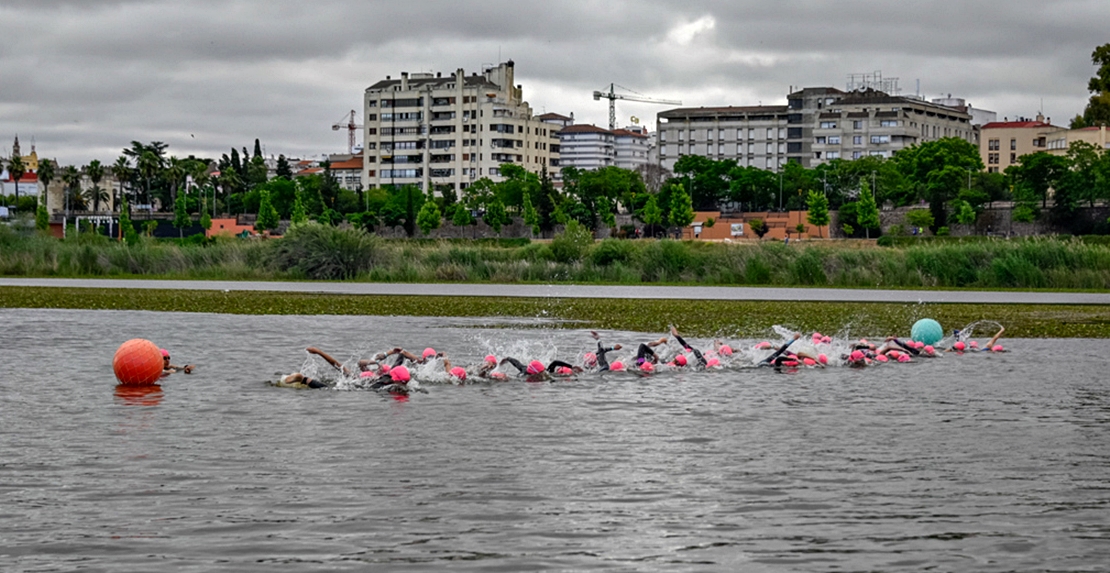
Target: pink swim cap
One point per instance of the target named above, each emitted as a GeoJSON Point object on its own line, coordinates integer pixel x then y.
{"type": "Point", "coordinates": [881, 357]}
{"type": "Point", "coordinates": [400, 374]}
{"type": "Point", "coordinates": [564, 371]}
{"type": "Point", "coordinates": [893, 354]}
{"type": "Point", "coordinates": [763, 345]}
{"type": "Point", "coordinates": [855, 356]}
{"type": "Point", "coordinates": [459, 372]}
{"type": "Point", "coordinates": [385, 368]}
{"type": "Point", "coordinates": [647, 367]}
{"type": "Point", "coordinates": [996, 348]}
{"type": "Point", "coordinates": [712, 362]}
{"type": "Point", "coordinates": [680, 360]}
{"type": "Point", "coordinates": [789, 362]}
{"type": "Point", "coordinates": [822, 359]}
{"type": "Point", "coordinates": [165, 353]}
{"type": "Point", "coordinates": [535, 367]}
{"type": "Point", "coordinates": [367, 374]}
{"type": "Point", "coordinates": [826, 339]}
{"type": "Point", "coordinates": [959, 346]}
{"type": "Point", "coordinates": [428, 352]}
{"type": "Point", "coordinates": [928, 349]}
{"type": "Point", "coordinates": [809, 362]}
{"type": "Point", "coordinates": [491, 358]}
{"type": "Point", "coordinates": [903, 358]}
{"type": "Point", "coordinates": [974, 344]}
{"type": "Point", "coordinates": [725, 350]}
{"type": "Point", "coordinates": [590, 360]}
{"type": "Point", "coordinates": [617, 366]}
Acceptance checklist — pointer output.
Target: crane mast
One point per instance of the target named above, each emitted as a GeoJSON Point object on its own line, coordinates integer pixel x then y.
{"type": "Point", "coordinates": [351, 128]}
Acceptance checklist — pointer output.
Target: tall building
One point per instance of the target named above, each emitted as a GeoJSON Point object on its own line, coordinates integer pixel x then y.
{"type": "Point", "coordinates": [1001, 143]}
{"type": "Point", "coordinates": [432, 130]}
{"type": "Point", "coordinates": [817, 125]}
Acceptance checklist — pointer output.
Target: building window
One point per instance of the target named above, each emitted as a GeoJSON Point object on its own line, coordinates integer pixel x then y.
{"type": "Point", "coordinates": [857, 154]}
{"type": "Point", "coordinates": [739, 134]}
{"type": "Point", "coordinates": [681, 135]}
{"type": "Point", "coordinates": [857, 140]}
{"type": "Point", "coordinates": [857, 124]}
{"type": "Point", "coordinates": [721, 133]}
{"type": "Point", "coordinates": [817, 155]}
{"type": "Point", "coordinates": [834, 140]}
{"type": "Point", "coordinates": [888, 123]}
{"type": "Point", "coordinates": [1013, 144]}
{"type": "Point", "coordinates": [878, 139]}
{"type": "Point", "coordinates": [992, 158]}
{"type": "Point", "coordinates": [720, 149]}
{"type": "Point", "coordinates": [770, 148]}
{"type": "Point", "coordinates": [782, 133]}
{"type": "Point", "coordinates": [1013, 158]}
{"type": "Point", "coordinates": [770, 133]}
{"type": "Point", "coordinates": [662, 136]}
{"type": "Point", "coordinates": [828, 125]}
{"type": "Point", "coordinates": [833, 155]}
{"type": "Point", "coordinates": [709, 134]}
{"type": "Point", "coordinates": [820, 140]}
{"type": "Point", "coordinates": [751, 133]}
{"type": "Point", "coordinates": [770, 163]}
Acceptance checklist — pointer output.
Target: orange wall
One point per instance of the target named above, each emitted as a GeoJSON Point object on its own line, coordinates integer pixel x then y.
{"type": "Point", "coordinates": [227, 227]}
{"type": "Point", "coordinates": [777, 225]}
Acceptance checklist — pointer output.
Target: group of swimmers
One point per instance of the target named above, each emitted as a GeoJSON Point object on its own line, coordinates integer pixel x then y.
{"type": "Point", "coordinates": [393, 370]}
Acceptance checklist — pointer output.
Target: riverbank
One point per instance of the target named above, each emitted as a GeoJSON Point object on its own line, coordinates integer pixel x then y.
{"type": "Point", "coordinates": [704, 318]}
{"type": "Point", "coordinates": [316, 252]}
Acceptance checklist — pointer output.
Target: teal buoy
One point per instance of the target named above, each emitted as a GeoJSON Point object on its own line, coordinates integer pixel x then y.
{"type": "Point", "coordinates": [927, 330]}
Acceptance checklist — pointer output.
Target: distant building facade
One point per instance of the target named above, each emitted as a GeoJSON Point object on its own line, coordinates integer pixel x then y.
{"type": "Point", "coordinates": [816, 126]}
{"type": "Point", "coordinates": [432, 130]}
{"type": "Point", "coordinates": [1001, 143]}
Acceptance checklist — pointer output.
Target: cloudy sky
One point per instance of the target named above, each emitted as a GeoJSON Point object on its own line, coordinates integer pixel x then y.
{"type": "Point", "coordinates": [83, 78]}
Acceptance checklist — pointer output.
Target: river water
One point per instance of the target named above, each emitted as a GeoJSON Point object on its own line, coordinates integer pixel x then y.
{"type": "Point", "coordinates": [962, 463]}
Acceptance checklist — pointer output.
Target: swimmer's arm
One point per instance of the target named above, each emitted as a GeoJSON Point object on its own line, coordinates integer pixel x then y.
{"type": "Point", "coordinates": [516, 363]}
{"type": "Point", "coordinates": [410, 356]}
{"type": "Point", "coordinates": [557, 363]}
{"type": "Point", "coordinates": [327, 357]}
{"type": "Point", "coordinates": [783, 348]}
{"type": "Point", "coordinates": [655, 343]}
{"type": "Point", "coordinates": [997, 335]}
{"type": "Point", "coordinates": [446, 364]}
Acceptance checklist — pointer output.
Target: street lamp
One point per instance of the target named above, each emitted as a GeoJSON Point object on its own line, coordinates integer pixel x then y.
{"type": "Point", "coordinates": [780, 189]}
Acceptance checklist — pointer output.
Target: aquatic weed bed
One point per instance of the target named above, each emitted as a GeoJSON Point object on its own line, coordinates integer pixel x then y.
{"type": "Point", "coordinates": [697, 318]}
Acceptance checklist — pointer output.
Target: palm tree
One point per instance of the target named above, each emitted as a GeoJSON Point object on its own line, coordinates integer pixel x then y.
{"type": "Point", "coordinates": [16, 169]}
{"type": "Point", "coordinates": [74, 199]}
{"type": "Point", "coordinates": [175, 173]}
{"type": "Point", "coordinates": [46, 176]}
{"type": "Point", "coordinates": [95, 172]}
{"type": "Point", "coordinates": [121, 169]}
{"type": "Point", "coordinates": [149, 161]}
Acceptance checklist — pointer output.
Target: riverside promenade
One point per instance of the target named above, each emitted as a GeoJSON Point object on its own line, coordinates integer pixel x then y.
{"type": "Point", "coordinates": [770, 293]}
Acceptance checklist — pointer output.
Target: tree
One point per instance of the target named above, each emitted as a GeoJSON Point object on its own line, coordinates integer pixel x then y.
{"type": "Point", "coordinates": [283, 170]}
{"type": "Point", "coordinates": [121, 170]}
{"type": "Point", "coordinates": [127, 228]}
{"type": "Point", "coordinates": [496, 217]}
{"type": "Point", "coordinates": [462, 217]}
{"type": "Point", "coordinates": [181, 218]}
{"type": "Point", "coordinates": [1097, 111]}
{"type": "Point", "coordinates": [866, 210]}
{"type": "Point", "coordinates": [651, 214]}
{"type": "Point", "coordinates": [72, 179]}
{"type": "Point", "coordinates": [268, 218]}
{"type": "Point", "coordinates": [46, 177]}
{"type": "Point", "coordinates": [921, 218]}
{"type": "Point", "coordinates": [706, 180]}
{"type": "Point", "coordinates": [42, 218]}
{"type": "Point", "coordinates": [298, 215]}
{"type": "Point", "coordinates": [1038, 172]}
{"type": "Point", "coordinates": [205, 220]}
{"type": "Point", "coordinates": [531, 216]}
{"type": "Point", "coordinates": [965, 213]}
{"type": "Point", "coordinates": [818, 214]}
{"type": "Point", "coordinates": [16, 169]}
{"type": "Point", "coordinates": [682, 209]}
{"type": "Point", "coordinates": [95, 172]}
{"type": "Point", "coordinates": [429, 217]}
{"type": "Point", "coordinates": [758, 227]}
{"type": "Point", "coordinates": [257, 149]}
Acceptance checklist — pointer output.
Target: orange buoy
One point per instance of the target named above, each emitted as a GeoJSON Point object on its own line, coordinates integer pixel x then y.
{"type": "Point", "coordinates": [138, 362]}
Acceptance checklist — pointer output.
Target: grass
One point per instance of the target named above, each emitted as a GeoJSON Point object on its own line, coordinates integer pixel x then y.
{"type": "Point", "coordinates": [700, 318]}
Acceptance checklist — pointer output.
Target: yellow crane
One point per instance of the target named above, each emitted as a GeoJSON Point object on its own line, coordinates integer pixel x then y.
{"type": "Point", "coordinates": [613, 96]}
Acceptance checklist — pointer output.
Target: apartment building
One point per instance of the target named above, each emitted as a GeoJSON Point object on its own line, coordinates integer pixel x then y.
{"type": "Point", "coordinates": [432, 130]}
{"type": "Point", "coordinates": [817, 125]}
{"type": "Point", "coordinates": [1058, 142]}
{"type": "Point", "coordinates": [592, 147]}
{"type": "Point", "coordinates": [1001, 143]}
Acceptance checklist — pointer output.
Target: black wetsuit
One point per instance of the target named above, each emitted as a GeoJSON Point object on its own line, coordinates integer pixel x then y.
{"type": "Point", "coordinates": [643, 352]}
{"type": "Point", "coordinates": [773, 359]}
{"type": "Point", "coordinates": [602, 362]}
{"type": "Point", "coordinates": [701, 359]}
{"type": "Point", "coordinates": [907, 348]}
{"type": "Point", "coordinates": [556, 364]}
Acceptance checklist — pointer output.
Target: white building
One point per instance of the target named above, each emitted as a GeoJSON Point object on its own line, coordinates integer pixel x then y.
{"type": "Point", "coordinates": [432, 130]}
{"type": "Point", "coordinates": [592, 147]}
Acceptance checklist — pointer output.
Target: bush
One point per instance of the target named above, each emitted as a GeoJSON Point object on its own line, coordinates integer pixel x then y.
{"type": "Point", "coordinates": [808, 269]}
{"type": "Point", "coordinates": [612, 251]}
{"type": "Point", "coordinates": [571, 245]}
{"type": "Point", "coordinates": [325, 252]}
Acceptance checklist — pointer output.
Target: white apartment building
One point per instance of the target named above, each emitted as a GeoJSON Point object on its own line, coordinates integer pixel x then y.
{"type": "Point", "coordinates": [431, 130]}
{"type": "Point", "coordinates": [817, 125]}
{"type": "Point", "coordinates": [592, 147]}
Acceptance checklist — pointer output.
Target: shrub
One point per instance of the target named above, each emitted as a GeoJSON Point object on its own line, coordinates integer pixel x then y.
{"type": "Point", "coordinates": [571, 245]}
{"type": "Point", "coordinates": [808, 269]}
{"type": "Point", "coordinates": [325, 252]}
{"type": "Point", "coordinates": [612, 251]}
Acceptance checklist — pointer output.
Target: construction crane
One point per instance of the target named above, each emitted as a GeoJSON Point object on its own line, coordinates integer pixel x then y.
{"type": "Point", "coordinates": [351, 128]}
{"type": "Point", "coordinates": [613, 96]}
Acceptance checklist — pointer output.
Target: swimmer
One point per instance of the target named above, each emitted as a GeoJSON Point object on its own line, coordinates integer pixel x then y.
{"type": "Point", "coordinates": [645, 354]}
{"type": "Point", "coordinates": [168, 368]}
{"type": "Point", "coordinates": [363, 365]}
{"type": "Point", "coordinates": [483, 370]}
{"type": "Point", "coordinates": [856, 359]}
{"type": "Point", "coordinates": [300, 380]}
{"type": "Point", "coordinates": [603, 363]}
{"type": "Point", "coordinates": [776, 358]}
{"type": "Point", "coordinates": [701, 359]}
{"type": "Point", "coordinates": [993, 345]}
{"type": "Point", "coordinates": [428, 354]}
{"type": "Point", "coordinates": [892, 344]}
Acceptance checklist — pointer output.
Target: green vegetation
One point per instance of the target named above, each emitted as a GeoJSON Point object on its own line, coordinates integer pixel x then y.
{"type": "Point", "coordinates": [714, 318]}
{"type": "Point", "coordinates": [318, 251]}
